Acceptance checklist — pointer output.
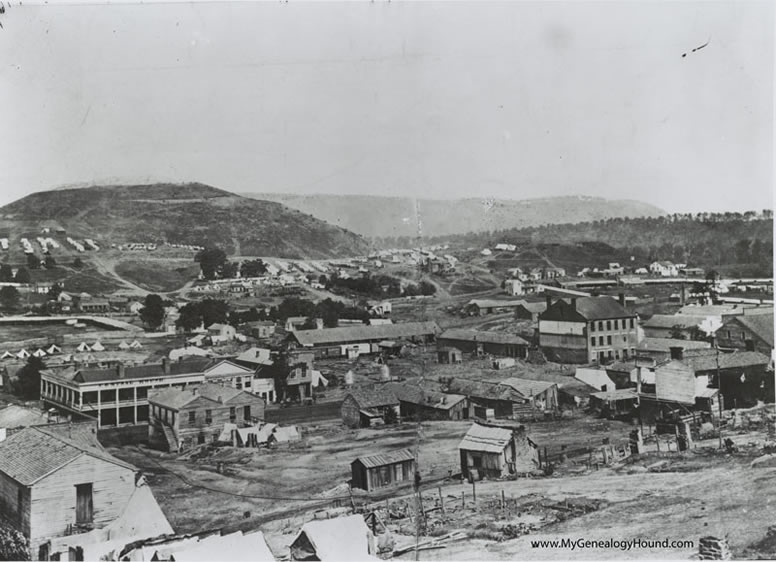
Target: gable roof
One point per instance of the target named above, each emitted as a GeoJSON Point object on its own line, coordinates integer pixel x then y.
{"type": "Point", "coordinates": [373, 396]}
{"type": "Point", "coordinates": [665, 344]}
{"type": "Point", "coordinates": [486, 439]}
{"type": "Point", "coordinates": [669, 321]}
{"type": "Point", "coordinates": [382, 459]}
{"type": "Point", "coordinates": [482, 336]}
{"type": "Point", "coordinates": [364, 333]}
{"type": "Point", "coordinates": [415, 394]}
{"type": "Point", "coordinates": [491, 303]}
{"type": "Point", "coordinates": [485, 389]}
{"type": "Point", "coordinates": [33, 453]}
{"type": "Point", "coordinates": [150, 370]}
{"type": "Point", "coordinates": [706, 360]}
{"type": "Point", "coordinates": [526, 387]}
{"type": "Point", "coordinates": [176, 398]}
{"type": "Point", "coordinates": [13, 416]}
{"type": "Point", "coordinates": [760, 325]}
{"type": "Point", "coordinates": [341, 538]}
{"type": "Point", "coordinates": [586, 308]}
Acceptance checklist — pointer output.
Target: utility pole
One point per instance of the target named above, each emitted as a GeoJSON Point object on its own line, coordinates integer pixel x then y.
{"type": "Point", "coordinates": [719, 398]}
{"type": "Point", "coordinates": [419, 515]}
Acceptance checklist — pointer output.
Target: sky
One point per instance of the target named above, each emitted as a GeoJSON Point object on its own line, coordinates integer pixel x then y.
{"type": "Point", "coordinates": [436, 99]}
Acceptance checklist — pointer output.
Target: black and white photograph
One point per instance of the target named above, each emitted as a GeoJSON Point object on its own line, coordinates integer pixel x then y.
{"type": "Point", "coordinates": [357, 280]}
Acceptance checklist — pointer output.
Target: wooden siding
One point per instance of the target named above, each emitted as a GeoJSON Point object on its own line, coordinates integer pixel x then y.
{"type": "Point", "coordinates": [9, 508]}
{"type": "Point", "coordinates": [382, 476]}
{"type": "Point", "coordinates": [53, 499]}
{"type": "Point", "coordinates": [675, 382]}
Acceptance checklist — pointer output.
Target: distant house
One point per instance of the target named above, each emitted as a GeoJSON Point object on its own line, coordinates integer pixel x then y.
{"type": "Point", "coordinates": [507, 399]}
{"type": "Point", "coordinates": [672, 325]}
{"type": "Point", "coordinates": [294, 323]}
{"type": "Point", "coordinates": [447, 355]}
{"type": "Point", "coordinates": [221, 333]}
{"type": "Point", "coordinates": [495, 452]}
{"type": "Point", "coordinates": [262, 329]}
{"type": "Point", "coordinates": [418, 403]}
{"type": "Point", "coordinates": [94, 306]}
{"type": "Point", "coordinates": [741, 377]}
{"type": "Point", "coordinates": [514, 287]}
{"type": "Point", "coordinates": [663, 268]}
{"type": "Point", "coordinates": [181, 418]}
{"type": "Point", "coordinates": [367, 406]}
{"type": "Point", "coordinates": [588, 330]}
{"type": "Point", "coordinates": [15, 417]}
{"type": "Point", "coordinates": [595, 376]}
{"type": "Point", "coordinates": [747, 333]}
{"type": "Point", "coordinates": [481, 342]}
{"type": "Point", "coordinates": [352, 341]}
{"type": "Point", "coordinates": [383, 470]}
{"type": "Point", "coordinates": [540, 395]}
{"type": "Point", "coordinates": [346, 539]}
{"type": "Point", "coordinates": [482, 307]}
{"type": "Point", "coordinates": [530, 311]}
{"type": "Point", "coordinates": [65, 494]}
{"type": "Point", "coordinates": [659, 349]}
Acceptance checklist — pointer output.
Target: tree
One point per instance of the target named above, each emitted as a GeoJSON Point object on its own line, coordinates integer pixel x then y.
{"type": "Point", "coordinates": [228, 270]}
{"type": "Point", "coordinates": [33, 262]}
{"type": "Point", "coordinates": [6, 273]}
{"type": "Point", "coordinates": [22, 275]}
{"type": "Point", "coordinates": [213, 311]}
{"type": "Point", "coordinates": [210, 261]}
{"type": "Point", "coordinates": [190, 317]}
{"type": "Point", "coordinates": [9, 296]}
{"type": "Point", "coordinates": [152, 313]}
{"type": "Point", "coordinates": [253, 268]}
{"type": "Point", "coordinates": [13, 544]}
{"type": "Point", "coordinates": [78, 263]}
{"type": "Point", "coordinates": [29, 378]}
{"type": "Point", "coordinates": [50, 262]}
{"type": "Point", "coordinates": [677, 332]}
{"type": "Point", "coordinates": [428, 288]}
{"type": "Point", "coordinates": [54, 291]}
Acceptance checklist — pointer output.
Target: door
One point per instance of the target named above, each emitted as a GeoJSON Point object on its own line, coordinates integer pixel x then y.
{"type": "Point", "coordinates": [84, 509]}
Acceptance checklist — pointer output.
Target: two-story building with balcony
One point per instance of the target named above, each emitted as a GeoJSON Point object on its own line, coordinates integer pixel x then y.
{"type": "Point", "coordinates": [116, 395]}
{"type": "Point", "coordinates": [588, 330]}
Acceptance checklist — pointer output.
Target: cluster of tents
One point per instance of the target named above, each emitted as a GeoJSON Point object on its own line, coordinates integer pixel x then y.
{"type": "Point", "coordinates": [54, 349]}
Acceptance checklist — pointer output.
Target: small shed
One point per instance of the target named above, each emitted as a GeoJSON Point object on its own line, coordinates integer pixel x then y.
{"type": "Point", "coordinates": [449, 355]}
{"type": "Point", "coordinates": [489, 451]}
{"type": "Point", "coordinates": [386, 469]}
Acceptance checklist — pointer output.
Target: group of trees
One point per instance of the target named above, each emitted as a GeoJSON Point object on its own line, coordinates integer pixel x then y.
{"type": "Point", "coordinates": [379, 286]}
{"type": "Point", "coordinates": [202, 313]}
{"type": "Point", "coordinates": [7, 275]}
{"type": "Point", "coordinates": [214, 264]}
{"type": "Point", "coordinates": [34, 262]}
{"type": "Point", "coordinates": [329, 310]}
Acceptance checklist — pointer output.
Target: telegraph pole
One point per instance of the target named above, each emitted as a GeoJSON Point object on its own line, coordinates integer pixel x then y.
{"type": "Point", "coordinates": [416, 483]}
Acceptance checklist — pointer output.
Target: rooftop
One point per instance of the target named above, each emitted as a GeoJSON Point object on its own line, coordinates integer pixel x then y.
{"type": "Point", "coordinates": [35, 452]}
{"type": "Point", "coordinates": [382, 459]}
{"type": "Point", "coordinates": [483, 336]}
{"type": "Point", "coordinates": [150, 370]}
{"type": "Point", "coordinates": [363, 333]}
{"type": "Point", "coordinates": [759, 324]}
{"type": "Point", "coordinates": [419, 395]}
{"type": "Point", "coordinates": [486, 439]}
{"type": "Point", "coordinates": [374, 396]}
{"type": "Point", "coordinates": [176, 398]}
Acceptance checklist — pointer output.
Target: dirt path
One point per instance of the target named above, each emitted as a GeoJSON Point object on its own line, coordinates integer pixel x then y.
{"type": "Point", "coordinates": [108, 267]}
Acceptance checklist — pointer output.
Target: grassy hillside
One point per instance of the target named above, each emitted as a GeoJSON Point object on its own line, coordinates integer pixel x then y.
{"type": "Point", "coordinates": [380, 217]}
{"type": "Point", "coordinates": [186, 214]}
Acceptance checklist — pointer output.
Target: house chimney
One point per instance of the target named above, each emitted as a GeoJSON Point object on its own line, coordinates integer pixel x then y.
{"type": "Point", "coordinates": [166, 365]}
{"type": "Point", "coordinates": [120, 370]}
{"type": "Point", "coordinates": [548, 300]}
{"type": "Point", "coordinates": [220, 400]}
{"type": "Point", "coordinates": [319, 323]}
{"type": "Point", "coordinates": [677, 352]}
{"type": "Point", "coordinates": [574, 303]}
{"type": "Point", "coordinates": [621, 298]}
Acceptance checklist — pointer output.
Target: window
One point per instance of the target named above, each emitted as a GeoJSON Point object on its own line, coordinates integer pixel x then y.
{"type": "Point", "coordinates": [232, 414]}
{"type": "Point", "coordinates": [592, 326]}
{"type": "Point", "coordinates": [600, 340]}
{"type": "Point", "coordinates": [247, 383]}
{"type": "Point", "coordinates": [83, 504]}
{"type": "Point", "coordinates": [624, 339]}
{"type": "Point", "coordinates": [616, 324]}
{"type": "Point", "coordinates": [608, 340]}
{"type": "Point", "coordinates": [208, 416]}
{"type": "Point", "coordinates": [592, 340]}
{"type": "Point", "coordinates": [192, 417]}
{"type": "Point", "coordinates": [631, 322]}
{"type": "Point", "coordinates": [247, 412]}
{"type": "Point", "coordinates": [600, 326]}
{"type": "Point", "coordinates": [728, 333]}
{"type": "Point", "coordinates": [608, 324]}
{"type": "Point", "coordinates": [624, 353]}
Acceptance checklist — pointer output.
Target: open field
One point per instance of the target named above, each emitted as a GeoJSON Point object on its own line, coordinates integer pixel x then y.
{"type": "Point", "coordinates": [157, 275]}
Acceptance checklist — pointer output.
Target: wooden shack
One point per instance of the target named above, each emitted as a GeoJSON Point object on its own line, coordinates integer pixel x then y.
{"type": "Point", "coordinates": [380, 471]}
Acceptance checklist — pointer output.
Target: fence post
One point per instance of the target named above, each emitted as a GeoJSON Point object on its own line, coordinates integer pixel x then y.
{"type": "Point", "coordinates": [441, 500]}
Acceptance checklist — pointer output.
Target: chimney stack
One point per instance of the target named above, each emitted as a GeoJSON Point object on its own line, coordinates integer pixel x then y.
{"type": "Point", "coordinates": [120, 370]}
{"type": "Point", "coordinates": [677, 352]}
{"type": "Point", "coordinates": [166, 365]}
{"type": "Point", "coordinates": [548, 300]}
{"type": "Point", "coordinates": [574, 303]}
{"type": "Point", "coordinates": [621, 298]}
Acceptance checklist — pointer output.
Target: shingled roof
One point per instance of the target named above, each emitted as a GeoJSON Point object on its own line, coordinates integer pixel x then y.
{"type": "Point", "coordinates": [150, 370]}
{"type": "Point", "coordinates": [374, 396]}
{"type": "Point", "coordinates": [382, 459]}
{"type": "Point", "coordinates": [176, 398]}
{"type": "Point", "coordinates": [486, 439]}
{"type": "Point", "coordinates": [759, 324]}
{"type": "Point", "coordinates": [707, 361]}
{"type": "Point", "coordinates": [364, 333]}
{"type": "Point", "coordinates": [588, 308]}
{"type": "Point", "coordinates": [415, 394]}
{"type": "Point", "coordinates": [486, 390]}
{"type": "Point", "coordinates": [482, 336]}
{"type": "Point", "coordinates": [33, 453]}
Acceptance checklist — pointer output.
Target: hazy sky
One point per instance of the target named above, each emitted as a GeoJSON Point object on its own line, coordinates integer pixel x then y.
{"type": "Point", "coordinates": [509, 99]}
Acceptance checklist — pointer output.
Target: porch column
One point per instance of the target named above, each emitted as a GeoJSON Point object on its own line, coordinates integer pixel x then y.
{"type": "Point", "coordinates": [135, 406]}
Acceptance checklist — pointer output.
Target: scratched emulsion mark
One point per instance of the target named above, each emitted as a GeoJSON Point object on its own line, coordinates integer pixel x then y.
{"type": "Point", "coordinates": [697, 48]}
{"type": "Point", "coordinates": [419, 218]}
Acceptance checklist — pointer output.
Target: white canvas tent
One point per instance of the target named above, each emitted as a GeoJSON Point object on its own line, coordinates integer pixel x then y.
{"type": "Point", "coordinates": [54, 349]}
{"type": "Point", "coordinates": [23, 354]}
{"type": "Point", "coordinates": [82, 347]}
{"type": "Point", "coordinates": [123, 345]}
{"type": "Point", "coordinates": [135, 345]}
{"type": "Point", "coordinates": [39, 353]}
{"type": "Point", "coordinates": [6, 355]}
{"type": "Point", "coordinates": [342, 538]}
{"type": "Point", "coordinates": [97, 346]}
